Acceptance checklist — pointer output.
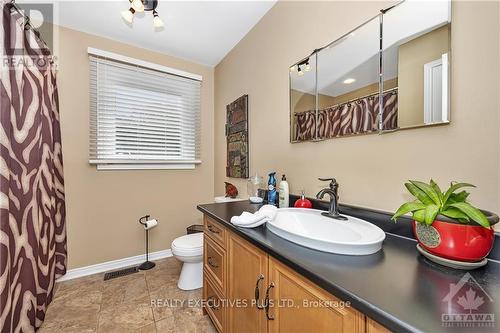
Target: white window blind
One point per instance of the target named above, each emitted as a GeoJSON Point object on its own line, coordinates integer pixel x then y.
{"type": "Point", "coordinates": [141, 117]}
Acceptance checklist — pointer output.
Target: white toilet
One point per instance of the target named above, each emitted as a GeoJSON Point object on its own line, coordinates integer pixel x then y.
{"type": "Point", "coordinates": [189, 250]}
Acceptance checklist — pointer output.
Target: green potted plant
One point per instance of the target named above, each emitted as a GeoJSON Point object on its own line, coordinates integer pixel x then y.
{"type": "Point", "coordinates": [446, 224]}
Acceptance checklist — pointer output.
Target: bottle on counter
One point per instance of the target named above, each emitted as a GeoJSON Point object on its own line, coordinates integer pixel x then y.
{"type": "Point", "coordinates": [284, 193]}
{"type": "Point", "coordinates": [272, 194]}
{"type": "Point", "coordinates": [303, 202]}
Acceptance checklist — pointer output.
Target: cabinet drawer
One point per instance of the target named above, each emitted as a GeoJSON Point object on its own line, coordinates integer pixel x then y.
{"type": "Point", "coordinates": [214, 262]}
{"type": "Point", "coordinates": [214, 305]}
{"type": "Point", "coordinates": [215, 231]}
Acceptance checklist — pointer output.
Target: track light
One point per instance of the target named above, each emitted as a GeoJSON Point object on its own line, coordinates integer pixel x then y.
{"type": "Point", "coordinates": [137, 5]}
{"type": "Point", "coordinates": [128, 15]}
{"type": "Point", "coordinates": [307, 67]}
{"type": "Point", "coordinates": [157, 22]}
{"type": "Point", "coordinates": [300, 72]}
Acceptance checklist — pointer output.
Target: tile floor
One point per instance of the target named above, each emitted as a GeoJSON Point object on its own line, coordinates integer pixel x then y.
{"type": "Point", "coordinates": [145, 302]}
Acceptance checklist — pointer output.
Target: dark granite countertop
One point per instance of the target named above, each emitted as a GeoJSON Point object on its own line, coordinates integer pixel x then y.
{"type": "Point", "coordinates": [396, 286]}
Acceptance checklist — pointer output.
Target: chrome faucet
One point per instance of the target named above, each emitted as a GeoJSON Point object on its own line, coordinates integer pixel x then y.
{"type": "Point", "coordinates": [332, 191]}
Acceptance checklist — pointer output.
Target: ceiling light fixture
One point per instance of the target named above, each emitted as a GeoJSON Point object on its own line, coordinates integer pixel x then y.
{"type": "Point", "coordinates": [349, 81]}
{"type": "Point", "coordinates": [157, 22]}
{"type": "Point", "coordinates": [128, 15]}
{"type": "Point", "coordinates": [138, 6]}
{"type": "Point", "coordinates": [308, 66]}
{"type": "Point", "coordinates": [301, 67]}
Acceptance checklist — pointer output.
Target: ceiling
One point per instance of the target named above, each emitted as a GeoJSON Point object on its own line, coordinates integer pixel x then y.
{"type": "Point", "coordinates": [199, 31]}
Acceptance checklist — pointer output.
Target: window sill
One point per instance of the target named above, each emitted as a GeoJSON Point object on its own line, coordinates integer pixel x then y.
{"type": "Point", "coordinates": [104, 167]}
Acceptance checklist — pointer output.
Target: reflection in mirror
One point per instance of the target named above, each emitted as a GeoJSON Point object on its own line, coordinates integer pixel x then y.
{"type": "Point", "coordinates": [416, 56]}
{"type": "Point", "coordinates": [303, 99]}
{"type": "Point", "coordinates": [348, 83]}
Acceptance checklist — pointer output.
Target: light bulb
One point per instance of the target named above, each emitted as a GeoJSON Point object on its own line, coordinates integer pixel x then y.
{"type": "Point", "coordinates": [128, 15]}
{"type": "Point", "coordinates": [300, 72]}
{"type": "Point", "coordinates": [157, 22]}
{"type": "Point", "coordinates": [138, 5]}
{"type": "Point", "coordinates": [308, 67]}
{"type": "Point", "coordinates": [292, 69]}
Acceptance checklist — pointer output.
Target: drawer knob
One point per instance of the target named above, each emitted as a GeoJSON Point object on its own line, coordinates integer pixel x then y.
{"type": "Point", "coordinates": [212, 262]}
{"type": "Point", "coordinates": [212, 229]}
{"type": "Point", "coordinates": [211, 303]}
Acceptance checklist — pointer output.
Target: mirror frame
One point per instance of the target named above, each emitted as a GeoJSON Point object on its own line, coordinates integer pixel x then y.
{"type": "Point", "coordinates": [291, 114]}
{"type": "Point", "coordinates": [443, 123]}
{"type": "Point", "coordinates": [315, 53]}
{"type": "Point", "coordinates": [380, 129]}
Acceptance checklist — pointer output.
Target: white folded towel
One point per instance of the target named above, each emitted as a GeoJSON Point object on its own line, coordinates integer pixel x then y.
{"type": "Point", "coordinates": [248, 220]}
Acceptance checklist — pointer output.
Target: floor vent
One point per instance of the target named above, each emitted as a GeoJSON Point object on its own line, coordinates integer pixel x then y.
{"type": "Point", "coordinates": [121, 272]}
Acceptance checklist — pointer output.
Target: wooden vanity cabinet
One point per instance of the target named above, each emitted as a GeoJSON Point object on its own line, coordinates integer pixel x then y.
{"type": "Point", "coordinates": [245, 277]}
{"type": "Point", "coordinates": [373, 327]}
{"type": "Point", "coordinates": [248, 269]}
{"type": "Point", "coordinates": [301, 306]}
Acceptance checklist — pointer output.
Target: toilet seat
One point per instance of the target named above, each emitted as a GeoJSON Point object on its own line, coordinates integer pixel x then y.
{"type": "Point", "coordinates": [189, 250]}
{"type": "Point", "coordinates": [188, 245]}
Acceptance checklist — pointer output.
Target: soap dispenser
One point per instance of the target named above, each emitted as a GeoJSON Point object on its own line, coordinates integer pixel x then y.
{"type": "Point", "coordinates": [303, 202]}
{"type": "Point", "coordinates": [271, 186]}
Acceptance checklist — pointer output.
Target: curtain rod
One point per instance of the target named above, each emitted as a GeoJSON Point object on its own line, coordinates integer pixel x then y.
{"type": "Point", "coordinates": [27, 20]}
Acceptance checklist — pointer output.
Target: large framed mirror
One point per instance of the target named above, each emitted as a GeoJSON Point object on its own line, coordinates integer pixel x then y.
{"type": "Point", "coordinates": [390, 73]}
{"type": "Point", "coordinates": [416, 59]}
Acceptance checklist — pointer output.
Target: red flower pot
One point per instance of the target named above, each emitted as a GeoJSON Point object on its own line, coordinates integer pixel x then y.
{"type": "Point", "coordinates": [454, 240]}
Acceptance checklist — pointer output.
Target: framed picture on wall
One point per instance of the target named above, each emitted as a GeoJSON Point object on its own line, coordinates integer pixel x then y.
{"type": "Point", "coordinates": [237, 138]}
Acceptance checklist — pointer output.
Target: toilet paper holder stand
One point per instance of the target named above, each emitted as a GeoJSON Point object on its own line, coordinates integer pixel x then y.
{"type": "Point", "coordinates": [147, 264]}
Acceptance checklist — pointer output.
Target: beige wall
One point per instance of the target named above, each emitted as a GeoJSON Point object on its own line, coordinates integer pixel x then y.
{"type": "Point", "coordinates": [413, 55]}
{"type": "Point", "coordinates": [372, 168]}
{"type": "Point", "coordinates": [364, 91]}
{"type": "Point", "coordinates": [302, 101]}
{"type": "Point", "coordinates": [103, 206]}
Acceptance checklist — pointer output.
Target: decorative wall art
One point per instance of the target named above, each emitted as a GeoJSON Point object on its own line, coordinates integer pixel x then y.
{"type": "Point", "coordinates": [237, 138]}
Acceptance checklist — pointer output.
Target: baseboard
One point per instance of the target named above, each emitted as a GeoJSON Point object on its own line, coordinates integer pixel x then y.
{"type": "Point", "coordinates": [113, 265]}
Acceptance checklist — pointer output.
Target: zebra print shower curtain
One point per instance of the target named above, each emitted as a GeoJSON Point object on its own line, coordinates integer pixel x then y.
{"type": "Point", "coordinates": [355, 117]}
{"type": "Point", "coordinates": [32, 206]}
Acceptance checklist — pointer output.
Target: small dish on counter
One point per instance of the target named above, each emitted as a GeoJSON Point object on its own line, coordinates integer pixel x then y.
{"type": "Point", "coordinates": [465, 265]}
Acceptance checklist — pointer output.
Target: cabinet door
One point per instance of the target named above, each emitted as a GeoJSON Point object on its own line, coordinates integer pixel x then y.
{"type": "Point", "coordinates": [373, 327]}
{"type": "Point", "coordinates": [298, 305]}
{"type": "Point", "coordinates": [248, 267]}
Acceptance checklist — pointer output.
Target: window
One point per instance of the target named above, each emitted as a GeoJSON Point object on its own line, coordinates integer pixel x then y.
{"type": "Point", "coordinates": [142, 116]}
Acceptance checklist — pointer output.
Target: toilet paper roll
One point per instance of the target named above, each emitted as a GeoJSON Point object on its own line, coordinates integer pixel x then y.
{"type": "Point", "coordinates": [150, 224]}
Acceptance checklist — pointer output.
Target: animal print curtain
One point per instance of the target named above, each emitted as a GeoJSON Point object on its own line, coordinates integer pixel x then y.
{"type": "Point", "coordinates": [32, 207]}
{"type": "Point", "coordinates": [355, 117]}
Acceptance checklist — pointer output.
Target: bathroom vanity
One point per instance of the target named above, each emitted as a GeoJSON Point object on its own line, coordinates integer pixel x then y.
{"type": "Point", "coordinates": [255, 281]}
{"type": "Point", "coordinates": [249, 285]}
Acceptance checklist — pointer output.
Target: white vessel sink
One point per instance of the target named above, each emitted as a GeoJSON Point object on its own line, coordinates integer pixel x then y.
{"type": "Point", "coordinates": [307, 227]}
